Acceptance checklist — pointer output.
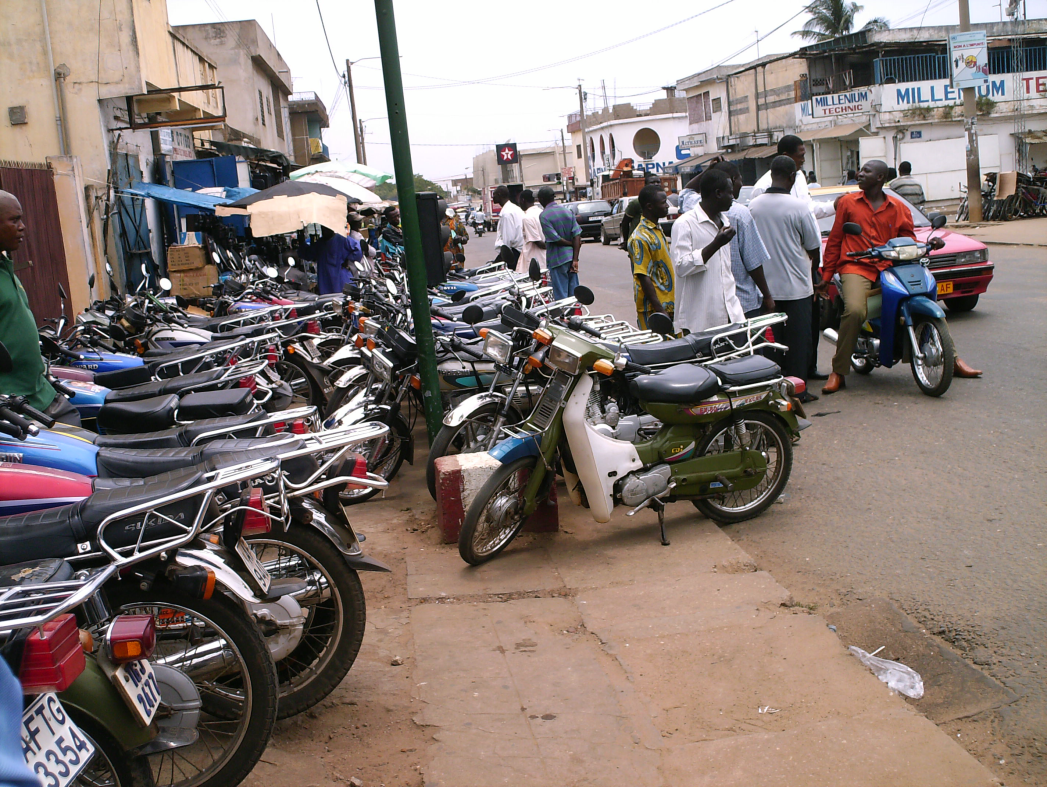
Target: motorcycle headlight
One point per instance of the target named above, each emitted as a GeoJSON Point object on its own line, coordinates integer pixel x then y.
{"type": "Point", "coordinates": [915, 251]}
{"type": "Point", "coordinates": [383, 367]}
{"type": "Point", "coordinates": [563, 359]}
{"type": "Point", "coordinates": [498, 346]}
{"type": "Point", "coordinates": [968, 257]}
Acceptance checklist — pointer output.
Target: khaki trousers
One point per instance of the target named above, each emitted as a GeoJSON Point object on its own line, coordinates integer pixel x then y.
{"type": "Point", "coordinates": [855, 294]}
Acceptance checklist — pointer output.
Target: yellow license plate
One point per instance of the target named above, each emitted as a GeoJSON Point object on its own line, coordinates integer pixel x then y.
{"type": "Point", "coordinates": [944, 287]}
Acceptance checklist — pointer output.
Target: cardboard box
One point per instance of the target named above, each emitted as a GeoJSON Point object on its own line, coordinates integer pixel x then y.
{"type": "Point", "coordinates": [195, 283]}
{"type": "Point", "coordinates": [185, 258]}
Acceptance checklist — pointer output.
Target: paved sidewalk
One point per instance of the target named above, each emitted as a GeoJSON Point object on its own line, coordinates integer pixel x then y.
{"type": "Point", "coordinates": [1021, 232]}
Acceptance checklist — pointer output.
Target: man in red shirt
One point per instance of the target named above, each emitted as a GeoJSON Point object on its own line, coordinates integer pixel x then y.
{"type": "Point", "coordinates": [881, 218]}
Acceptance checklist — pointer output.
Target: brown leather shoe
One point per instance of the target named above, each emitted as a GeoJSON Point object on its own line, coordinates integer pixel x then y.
{"type": "Point", "coordinates": [836, 382]}
{"type": "Point", "coordinates": [961, 369]}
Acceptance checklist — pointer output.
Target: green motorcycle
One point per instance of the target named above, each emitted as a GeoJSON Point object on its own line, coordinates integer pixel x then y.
{"type": "Point", "coordinates": [723, 440]}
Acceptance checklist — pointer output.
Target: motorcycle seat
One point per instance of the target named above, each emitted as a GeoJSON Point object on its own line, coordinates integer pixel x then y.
{"type": "Point", "coordinates": [174, 385]}
{"type": "Point", "coordinates": [246, 331]}
{"type": "Point", "coordinates": [122, 378]}
{"type": "Point", "coordinates": [127, 466]}
{"type": "Point", "coordinates": [139, 416]}
{"type": "Point", "coordinates": [681, 384]}
{"type": "Point", "coordinates": [215, 404]}
{"type": "Point", "coordinates": [745, 371]}
{"type": "Point", "coordinates": [661, 353]}
{"type": "Point", "coordinates": [178, 437]}
{"type": "Point", "coordinates": [35, 572]}
{"type": "Point", "coordinates": [190, 432]}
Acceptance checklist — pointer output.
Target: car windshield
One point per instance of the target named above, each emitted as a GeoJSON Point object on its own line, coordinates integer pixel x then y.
{"type": "Point", "coordinates": [592, 207]}
{"type": "Point", "coordinates": [826, 224]}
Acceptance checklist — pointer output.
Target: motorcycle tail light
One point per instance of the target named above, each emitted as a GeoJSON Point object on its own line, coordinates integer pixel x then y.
{"type": "Point", "coordinates": [130, 638]}
{"type": "Point", "coordinates": [233, 360]}
{"type": "Point", "coordinates": [280, 426]}
{"type": "Point", "coordinates": [270, 355]}
{"type": "Point", "coordinates": [312, 327]}
{"type": "Point", "coordinates": [293, 315]}
{"type": "Point", "coordinates": [578, 311]}
{"type": "Point", "coordinates": [769, 335]}
{"type": "Point", "coordinates": [248, 382]}
{"type": "Point", "coordinates": [52, 657]}
{"type": "Point", "coordinates": [798, 386]}
{"type": "Point", "coordinates": [299, 427]}
{"type": "Point", "coordinates": [196, 581]}
{"type": "Point", "coordinates": [416, 382]}
{"type": "Point", "coordinates": [256, 520]}
{"type": "Point", "coordinates": [359, 470]}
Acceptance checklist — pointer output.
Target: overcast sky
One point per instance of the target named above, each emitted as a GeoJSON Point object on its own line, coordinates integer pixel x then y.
{"type": "Point", "coordinates": [445, 43]}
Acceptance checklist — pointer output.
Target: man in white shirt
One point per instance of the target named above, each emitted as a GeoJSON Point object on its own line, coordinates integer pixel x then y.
{"type": "Point", "coordinates": [533, 235]}
{"type": "Point", "coordinates": [792, 146]}
{"type": "Point", "coordinates": [509, 240]}
{"type": "Point", "coordinates": [701, 254]}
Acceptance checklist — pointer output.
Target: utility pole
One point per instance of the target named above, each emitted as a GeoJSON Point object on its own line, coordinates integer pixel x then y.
{"type": "Point", "coordinates": [363, 146]}
{"type": "Point", "coordinates": [970, 124]}
{"type": "Point", "coordinates": [563, 144]}
{"type": "Point", "coordinates": [585, 136]}
{"type": "Point", "coordinates": [357, 138]}
{"type": "Point", "coordinates": [403, 168]}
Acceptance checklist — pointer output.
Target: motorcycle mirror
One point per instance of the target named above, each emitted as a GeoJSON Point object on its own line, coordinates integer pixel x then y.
{"type": "Point", "coordinates": [61, 291]}
{"type": "Point", "coordinates": [459, 257]}
{"type": "Point", "coordinates": [215, 257]}
{"type": "Point", "coordinates": [165, 284]}
{"type": "Point", "coordinates": [108, 268]}
{"type": "Point", "coordinates": [473, 314]}
{"type": "Point", "coordinates": [145, 270]}
{"type": "Point", "coordinates": [91, 282]}
{"type": "Point", "coordinates": [6, 364]}
{"type": "Point", "coordinates": [271, 272]}
{"type": "Point", "coordinates": [851, 228]}
{"type": "Point", "coordinates": [938, 220]}
{"type": "Point", "coordinates": [534, 271]}
{"type": "Point", "coordinates": [390, 287]}
{"type": "Point", "coordinates": [584, 295]}
{"type": "Point", "coordinates": [182, 302]}
{"type": "Point", "coordinates": [458, 297]}
{"type": "Point", "coordinates": [661, 323]}
{"type": "Point", "coordinates": [290, 262]}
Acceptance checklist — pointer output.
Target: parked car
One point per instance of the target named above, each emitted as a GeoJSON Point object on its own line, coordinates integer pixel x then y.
{"type": "Point", "coordinates": [961, 268]}
{"type": "Point", "coordinates": [746, 194]}
{"type": "Point", "coordinates": [589, 214]}
{"type": "Point", "coordinates": [611, 225]}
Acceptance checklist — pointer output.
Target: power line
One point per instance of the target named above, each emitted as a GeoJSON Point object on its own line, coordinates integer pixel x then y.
{"type": "Point", "coordinates": [761, 38]}
{"type": "Point", "coordinates": [326, 39]}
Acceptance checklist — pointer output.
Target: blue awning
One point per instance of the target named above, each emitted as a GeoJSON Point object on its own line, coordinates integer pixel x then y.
{"type": "Point", "coordinates": [187, 199]}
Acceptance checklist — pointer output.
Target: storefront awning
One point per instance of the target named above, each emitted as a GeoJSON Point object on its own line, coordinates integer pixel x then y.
{"type": "Point", "coordinates": [836, 132]}
{"type": "Point", "coordinates": [251, 153]}
{"type": "Point", "coordinates": [760, 151]}
{"type": "Point", "coordinates": [691, 163]}
{"type": "Point", "coordinates": [1034, 137]}
{"type": "Point", "coordinates": [181, 197]}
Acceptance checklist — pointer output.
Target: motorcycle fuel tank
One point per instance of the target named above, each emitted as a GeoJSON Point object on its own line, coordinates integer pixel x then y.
{"type": "Point", "coordinates": [24, 488]}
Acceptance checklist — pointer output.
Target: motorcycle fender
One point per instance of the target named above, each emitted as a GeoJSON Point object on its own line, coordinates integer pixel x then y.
{"type": "Point", "coordinates": [512, 448]}
{"type": "Point", "coordinates": [339, 531]}
{"type": "Point", "coordinates": [349, 376]}
{"type": "Point", "coordinates": [921, 304]}
{"type": "Point", "coordinates": [229, 579]}
{"type": "Point", "coordinates": [343, 355]}
{"type": "Point", "coordinates": [95, 696]}
{"type": "Point", "coordinates": [465, 410]}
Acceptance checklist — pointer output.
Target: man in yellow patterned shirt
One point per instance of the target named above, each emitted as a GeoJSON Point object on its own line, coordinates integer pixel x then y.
{"type": "Point", "coordinates": [653, 284]}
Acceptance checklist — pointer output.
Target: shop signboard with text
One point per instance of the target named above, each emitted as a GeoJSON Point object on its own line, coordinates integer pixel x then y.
{"type": "Point", "coordinates": [901, 97]}
{"type": "Point", "coordinates": [969, 59]}
{"type": "Point", "coordinates": [852, 102]}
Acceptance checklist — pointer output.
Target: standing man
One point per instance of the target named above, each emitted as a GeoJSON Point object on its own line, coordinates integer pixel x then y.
{"type": "Point", "coordinates": [391, 239]}
{"type": "Point", "coordinates": [852, 178]}
{"type": "Point", "coordinates": [794, 242]}
{"type": "Point", "coordinates": [653, 282]}
{"type": "Point", "coordinates": [18, 327]}
{"type": "Point", "coordinates": [563, 242]}
{"type": "Point", "coordinates": [907, 186]}
{"type": "Point", "coordinates": [792, 146]}
{"type": "Point", "coordinates": [701, 255]}
{"type": "Point", "coordinates": [748, 253]}
{"type": "Point", "coordinates": [633, 210]}
{"type": "Point", "coordinates": [356, 225]}
{"type": "Point", "coordinates": [332, 255]}
{"type": "Point", "coordinates": [533, 234]}
{"type": "Point", "coordinates": [509, 240]}
{"type": "Point", "coordinates": [881, 218]}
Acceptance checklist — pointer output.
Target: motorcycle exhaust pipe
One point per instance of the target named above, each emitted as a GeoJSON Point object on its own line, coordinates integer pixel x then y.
{"type": "Point", "coordinates": [210, 660]}
{"type": "Point", "coordinates": [831, 335]}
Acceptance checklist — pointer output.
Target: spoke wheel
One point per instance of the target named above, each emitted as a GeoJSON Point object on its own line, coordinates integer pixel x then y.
{"type": "Point", "coordinates": [301, 388]}
{"type": "Point", "coordinates": [934, 373]}
{"type": "Point", "coordinates": [766, 434]}
{"type": "Point", "coordinates": [218, 646]}
{"type": "Point", "coordinates": [496, 514]}
{"type": "Point", "coordinates": [335, 610]}
{"type": "Point", "coordinates": [386, 464]}
{"type": "Point", "coordinates": [110, 766]}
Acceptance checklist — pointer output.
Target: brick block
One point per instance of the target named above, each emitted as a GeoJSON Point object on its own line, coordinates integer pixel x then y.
{"type": "Point", "coordinates": [459, 478]}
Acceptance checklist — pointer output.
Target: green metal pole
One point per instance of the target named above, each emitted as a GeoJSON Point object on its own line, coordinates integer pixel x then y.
{"type": "Point", "coordinates": [417, 281]}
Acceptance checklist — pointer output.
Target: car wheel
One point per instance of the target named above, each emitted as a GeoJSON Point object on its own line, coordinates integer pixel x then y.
{"type": "Point", "coordinates": [603, 237]}
{"type": "Point", "coordinates": [964, 303]}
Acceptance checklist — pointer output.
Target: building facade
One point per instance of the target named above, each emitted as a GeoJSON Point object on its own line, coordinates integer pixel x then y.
{"type": "Point", "coordinates": [308, 119]}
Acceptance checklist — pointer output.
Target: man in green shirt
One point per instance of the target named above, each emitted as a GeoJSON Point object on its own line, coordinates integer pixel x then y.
{"type": "Point", "coordinates": [18, 327]}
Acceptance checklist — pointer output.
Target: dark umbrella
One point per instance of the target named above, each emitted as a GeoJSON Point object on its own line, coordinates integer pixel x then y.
{"type": "Point", "coordinates": [289, 188]}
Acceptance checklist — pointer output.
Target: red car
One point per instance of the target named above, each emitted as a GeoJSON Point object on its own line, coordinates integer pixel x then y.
{"type": "Point", "coordinates": [962, 268]}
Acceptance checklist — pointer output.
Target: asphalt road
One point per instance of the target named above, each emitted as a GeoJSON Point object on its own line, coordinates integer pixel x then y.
{"type": "Point", "coordinates": [936, 504]}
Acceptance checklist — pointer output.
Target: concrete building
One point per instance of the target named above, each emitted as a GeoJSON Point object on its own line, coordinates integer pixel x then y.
{"type": "Point", "coordinates": [538, 167]}
{"type": "Point", "coordinates": [308, 119]}
{"type": "Point", "coordinates": [256, 78]}
{"type": "Point", "coordinates": [706, 97]}
{"type": "Point", "coordinates": [89, 112]}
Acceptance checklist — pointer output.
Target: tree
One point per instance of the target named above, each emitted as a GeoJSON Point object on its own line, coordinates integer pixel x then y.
{"type": "Point", "coordinates": [829, 19]}
{"type": "Point", "coordinates": [387, 190]}
{"type": "Point", "coordinates": [877, 23]}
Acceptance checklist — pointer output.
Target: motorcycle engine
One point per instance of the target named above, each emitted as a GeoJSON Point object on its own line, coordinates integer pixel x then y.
{"type": "Point", "coordinates": [642, 485]}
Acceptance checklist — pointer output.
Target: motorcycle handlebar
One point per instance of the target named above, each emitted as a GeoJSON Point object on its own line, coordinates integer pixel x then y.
{"type": "Point", "coordinates": [436, 311]}
{"type": "Point", "coordinates": [460, 346]}
{"type": "Point", "coordinates": [639, 368]}
{"type": "Point", "coordinates": [18, 421]}
{"type": "Point", "coordinates": [11, 430]}
{"type": "Point", "coordinates": [43, 417]}
{"type": "Point", "coordinates": [865, 253]}
{"type": "Point", "coordinates": [577, 324]}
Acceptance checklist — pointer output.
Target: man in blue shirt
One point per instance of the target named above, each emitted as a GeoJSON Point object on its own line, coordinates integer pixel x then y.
{"type": "Point", "coordinates": [563, 241]}
{"type": "Point", "coordinates": [332, 255]}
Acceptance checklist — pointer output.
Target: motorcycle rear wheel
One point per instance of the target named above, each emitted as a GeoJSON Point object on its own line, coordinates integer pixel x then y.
{"type": "Point", "coordinates": [934, 375]}
{"type": "Point", "coordinates": [110, 766]}
{"type": "Point", "coordinates": [766, 434]}
{"type": "Point", "coordinates": [495, 516]}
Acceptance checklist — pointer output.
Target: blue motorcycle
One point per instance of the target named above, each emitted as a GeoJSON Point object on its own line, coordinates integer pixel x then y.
{"type": "Point", "coordinates": [904, 322]}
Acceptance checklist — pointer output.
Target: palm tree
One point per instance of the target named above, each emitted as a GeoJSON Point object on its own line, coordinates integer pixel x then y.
{"type": "Point", "coordinates": [829, 19]}
{"type": "Point", "coordinates": [877, 23]}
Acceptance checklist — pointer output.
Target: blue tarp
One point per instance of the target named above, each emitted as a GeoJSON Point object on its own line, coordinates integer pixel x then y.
{"type": "Point", "coordinates": [188, 199]}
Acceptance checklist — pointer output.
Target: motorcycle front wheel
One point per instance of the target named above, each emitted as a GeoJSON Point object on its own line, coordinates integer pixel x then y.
{"type": "Point", "coordinates": [496, 514]}
{"type": "Point", "coordinates": [469, 437]}
{"type": "Point", "coordinates": [934, 373]}
{"type": "Point", "coordinates": [218, 646]}
{"type": "Point", "coordinates": [766, 434]}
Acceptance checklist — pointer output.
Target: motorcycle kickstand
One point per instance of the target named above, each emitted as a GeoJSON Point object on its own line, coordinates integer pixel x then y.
{"type": "Point", "coordinates": [660, 508]}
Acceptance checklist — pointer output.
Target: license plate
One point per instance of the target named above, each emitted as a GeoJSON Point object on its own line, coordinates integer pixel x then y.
{"type": "Point", "coordinates": [54, 748]}
{"type": "Point", "coordinates": [254, 566]}
{"type": "Point", "coordinates": [944, 287]}
{"type": "Point", "coordinates": [137, 683]}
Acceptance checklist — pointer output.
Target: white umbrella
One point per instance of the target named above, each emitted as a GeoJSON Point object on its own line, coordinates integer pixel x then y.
{"type": "Point", "coordinates": [367, 177]}
{"type": "Point", "coordinates": [343, 184]}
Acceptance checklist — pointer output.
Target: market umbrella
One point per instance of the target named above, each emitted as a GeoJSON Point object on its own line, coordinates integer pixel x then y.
{"type": "Point", "coordinates": [354, 191]}
{"type": "Point", "coordinates": [366, 176]}
{"type": "Point", "coordinates": [289, 207]}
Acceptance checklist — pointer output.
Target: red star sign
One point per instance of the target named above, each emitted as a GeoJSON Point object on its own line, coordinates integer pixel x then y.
{"type": "Point", "coordinates": [507, 154]}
